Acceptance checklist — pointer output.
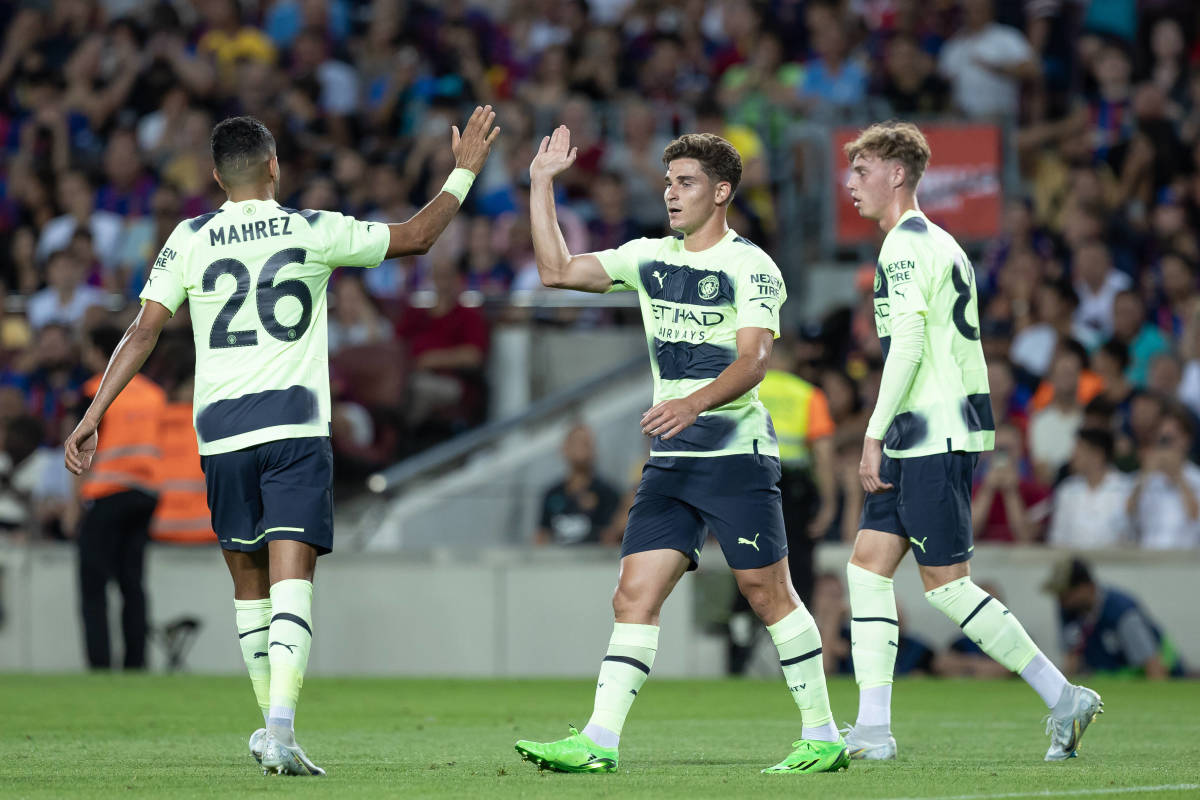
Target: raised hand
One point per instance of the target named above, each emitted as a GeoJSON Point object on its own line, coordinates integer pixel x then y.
{"type": "Point", "coordinates": [472, 147]}
{"type": "Point", "coordinates": [554, 155]}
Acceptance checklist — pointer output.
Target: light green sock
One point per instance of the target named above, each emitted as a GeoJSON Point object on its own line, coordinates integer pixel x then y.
{"type": "Point", "coordinates": [874, 642]}
{"type": "Point", "coordinates": [799, 643]}
{"type": "Point", "coordinates": [622, 674]}
{"type": "Point", "coordinates": [986, 621]}
{"type": "Point", "coordinates": [290, 640]}
{"type": "Point", "coordinates": [253, 621]}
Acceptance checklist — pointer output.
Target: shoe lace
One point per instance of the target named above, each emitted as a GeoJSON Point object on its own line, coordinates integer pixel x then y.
{"type": "Point", "coordinates": [802, 744]}
{"type": "Point", "coordinates": [1049, 720]}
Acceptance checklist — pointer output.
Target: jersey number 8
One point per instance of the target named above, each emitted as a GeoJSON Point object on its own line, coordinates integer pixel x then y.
{"type": "Point", "coordinates": [267, 295]}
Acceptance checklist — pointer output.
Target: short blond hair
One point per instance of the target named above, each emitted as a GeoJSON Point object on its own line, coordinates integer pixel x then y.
{"type": "Point", "coordinates": [893, 141]}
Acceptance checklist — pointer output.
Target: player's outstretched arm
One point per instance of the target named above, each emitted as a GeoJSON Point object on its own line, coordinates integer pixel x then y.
{"type": "Point", "coordinates": [753, 351]}
{"type": "Point", "coordinates": [127, 359]}
{"type": "Point", "coordinates": [471, 150]}
{"type": "Point", "coordinates": [556, 266]}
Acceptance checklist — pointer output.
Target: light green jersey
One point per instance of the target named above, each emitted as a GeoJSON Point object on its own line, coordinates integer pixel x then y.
{"type": "Point", "coordinates": [692, 305]}
{"type": "Point", "coordinates": [255, 274]}
{"type": "Point", "coordinates": [922, 270]}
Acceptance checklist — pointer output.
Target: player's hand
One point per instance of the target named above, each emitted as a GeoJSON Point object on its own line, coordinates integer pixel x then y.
{"type": "Point", "coordinates": [868, 467]}
{"type": "Point", "coordinates": [669, 418]}
{"type": "Point", "coordinates": [81, 446]}
{"type": "Point", "coordinates": [472, 147]}
{"type": "Point", "coordinates": [554, 155]}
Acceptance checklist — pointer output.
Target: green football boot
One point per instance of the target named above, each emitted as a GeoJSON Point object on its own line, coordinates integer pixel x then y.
{"type": "Point", "coordinates": [811, 756]}
{"type": "Point", "coordinates": [576, 753]}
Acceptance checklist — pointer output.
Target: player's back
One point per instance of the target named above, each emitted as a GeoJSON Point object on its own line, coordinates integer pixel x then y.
{"type": "Point", "coordinates": [255, 275]}
{"type": "Point", "coordinates": [923, 269]}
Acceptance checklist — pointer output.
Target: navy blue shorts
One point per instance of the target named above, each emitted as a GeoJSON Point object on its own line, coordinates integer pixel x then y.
{"type": "Point", "coordinates": [930, 505]}
{"type": "Point", "coordinates": [735, 497]}
{"type": "Point", "coordinates": [276, 490]}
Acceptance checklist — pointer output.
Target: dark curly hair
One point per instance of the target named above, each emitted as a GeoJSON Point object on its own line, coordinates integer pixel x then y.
{"type": "Point", "coordinates": [718, 158]}
{"type": "Point", "coordinates": [241, 146]}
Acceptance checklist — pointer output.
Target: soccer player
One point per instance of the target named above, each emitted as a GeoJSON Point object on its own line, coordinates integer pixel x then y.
{"type": "Point", "coordinates": [255, 276]}
{"type": "Point", "coordinates": [710, 301]}
{"type": "Point", "coordinates": [932, 419]}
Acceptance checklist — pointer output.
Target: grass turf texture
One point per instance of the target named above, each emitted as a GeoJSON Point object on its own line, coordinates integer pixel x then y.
{"type": "Point", "coordinates": [185, 736]}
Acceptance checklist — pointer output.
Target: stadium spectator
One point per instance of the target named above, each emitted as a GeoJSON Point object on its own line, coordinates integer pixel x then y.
{"type": "Point", "coordinates": [77, 197]}
{"type": "Point", "coordinates": [986, 64]}
{"type": "Point", "coordinates": [1110, 363]}
{"type": "Point", "coordinates": [356, 318]}
{"type": "Point", "coordinates": [1090, 506]}
{"type": "Point", "coordinates": [911, 84]}
{"type": "Point", "coordinates": [22, 468]}
{"type": "Point", "coordinates": [834, 80]}
{"type": "Point", "coordinates": [1105, 630]}
{"type": "Point", "coordinates": [1165, 501]}
{"type": "Point", "coordinates": [1142, 339]}
{"type": "Point", "coordinates": [582, 508]}
{"type": "Point", "coordinates": [49, 378]}
{"type": "Point", "coordinates": [1039, 334]}
{"type": "Point", "coordinates": [446, 345]}
{"type": "Point", "coordinates": [1052, 430]}
{"type": "Point", "coordinates": [1009, 504]}
{"type": "Point", "coordinates": [1096, 284]}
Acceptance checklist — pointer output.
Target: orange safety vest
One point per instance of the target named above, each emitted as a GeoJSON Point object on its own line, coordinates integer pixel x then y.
{"type": "Point", "coordinates": [182, 516]}
{"type": "Point", "coordinates": [127, 454]}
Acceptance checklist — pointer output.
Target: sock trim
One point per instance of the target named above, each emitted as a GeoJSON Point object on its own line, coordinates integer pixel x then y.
{"type": "Point", "coordinates": [978, 608]}
{"type": "Point", "coordinates": [796, 623]}
{"type": "Point", "coordinates": [798, 659]}
{"type": "Point", "coordinates": [630, 634]}
{"type": "Point", "coordinates": [285, 617]}
{"type": "Point", "coordinates": [633, 662]}
{"type": "Point", "coordinates": [876, 619]}
{"type": "Point", "coordinates": [256, 630]}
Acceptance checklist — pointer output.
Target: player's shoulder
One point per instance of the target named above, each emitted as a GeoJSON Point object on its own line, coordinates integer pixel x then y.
{"type": "Point", "coordinates": [747, 255]}
{"type": "Point", "coordinates": [194, 225]}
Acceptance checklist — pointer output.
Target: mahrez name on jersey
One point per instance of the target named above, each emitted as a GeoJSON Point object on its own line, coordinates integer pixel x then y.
{"type": "Point", "coordinates": [250, 231]}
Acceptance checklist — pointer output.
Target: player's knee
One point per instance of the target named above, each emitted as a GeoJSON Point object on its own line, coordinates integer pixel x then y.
{"type": "Point", "coordinates": [765, 598]}
{"type": "Point", "coordinates": [632, 603]}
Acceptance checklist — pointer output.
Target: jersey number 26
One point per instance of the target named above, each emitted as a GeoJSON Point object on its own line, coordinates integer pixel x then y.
{"type": "Point", "coordinates": [267, 295]}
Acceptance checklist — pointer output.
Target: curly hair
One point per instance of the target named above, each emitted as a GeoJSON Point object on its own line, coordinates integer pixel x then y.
{"type": "Point", "coordinates": [718, 158]}
{"type": "Point", "coordinates": [893, 141]}
{"type": "Point", "coordinates": [240, 146]}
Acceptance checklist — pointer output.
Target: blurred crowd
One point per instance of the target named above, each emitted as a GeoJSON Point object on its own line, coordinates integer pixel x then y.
{"type": "Point", "coordinates": [1091, 317]}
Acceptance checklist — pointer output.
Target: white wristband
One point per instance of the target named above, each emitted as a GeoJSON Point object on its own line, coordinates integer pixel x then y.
{"type": "Point", "coordinates": [459, 183]}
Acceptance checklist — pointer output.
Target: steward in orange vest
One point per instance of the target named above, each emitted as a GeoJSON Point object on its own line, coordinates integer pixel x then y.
{"type": "Point", "coordinates": [182, 516]}
{"type": "Point", "coordinates": [119, 494]}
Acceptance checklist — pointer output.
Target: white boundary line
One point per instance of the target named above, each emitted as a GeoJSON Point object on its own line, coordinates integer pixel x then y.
{"type": "Point", "coordinates": [1176, 787]}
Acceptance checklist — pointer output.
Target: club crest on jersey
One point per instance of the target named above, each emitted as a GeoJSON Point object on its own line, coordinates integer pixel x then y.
{"type": "Point", "coordinates": [709, 287]}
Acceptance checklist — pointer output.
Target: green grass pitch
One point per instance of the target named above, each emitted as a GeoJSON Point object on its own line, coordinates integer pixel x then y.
{"type": "Point", "coordinates": [185, 736]}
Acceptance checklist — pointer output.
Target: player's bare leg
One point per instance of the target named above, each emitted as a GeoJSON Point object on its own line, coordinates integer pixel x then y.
{"type": "Point", "coordinates": [252, 610]}
{"type": "Point", "coordinates": [874, 638]}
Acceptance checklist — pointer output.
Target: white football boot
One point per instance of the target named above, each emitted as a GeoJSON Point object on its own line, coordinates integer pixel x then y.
{"type": "Point", "coordinates": [258, 740]}
{"type": "Point", "coordinates": [870, 747]}
{"type": "Point", "coordinates": [282, 759]}
{"type": "Point", "coordinates": [1066, 728]}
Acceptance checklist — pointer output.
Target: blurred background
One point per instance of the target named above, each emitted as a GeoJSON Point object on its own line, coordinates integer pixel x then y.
{"type": "Point", "coordinates": [486, 430]}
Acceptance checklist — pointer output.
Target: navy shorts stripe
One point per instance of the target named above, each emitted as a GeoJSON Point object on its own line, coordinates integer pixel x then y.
{"type": "Point", "coordinates": [285, 617]}
{"type": "Point", "coordinates": [296, 405]}
{"type": "Point", "coordinates": [633, 662]}
{"type": "Point", "coordinates": [256, 630]}
{"type": "Point", "coordinates": [875, 619]}
{"type": "Point", "coordinates": [683, 361]}
{"type": "Point", "coordinates": [810, 654]}
{"type": "Point", "coordinates": [971, 616]}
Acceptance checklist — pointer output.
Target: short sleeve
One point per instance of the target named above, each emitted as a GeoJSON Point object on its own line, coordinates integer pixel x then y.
{"type": "Point", "coordinates": [759, 295]}
{"type": "Point", "coordinates": [166, 284]}
{"type": "Point", "coordinates": [350, 242]}
{"type": "Point", "coordinates": [622, 263]}
{"type": "Point", "coordinates": [907, 279]}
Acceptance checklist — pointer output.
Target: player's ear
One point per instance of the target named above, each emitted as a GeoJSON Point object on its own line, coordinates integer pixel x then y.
{"type": "Point", "coordinates": [899, 176]}
{"type": "Point", "coordinates": [273, 168]}
{"type": "Point", "coordinates": [724, 192]}
{"type": "Point", "coordinates": [217, 178]}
